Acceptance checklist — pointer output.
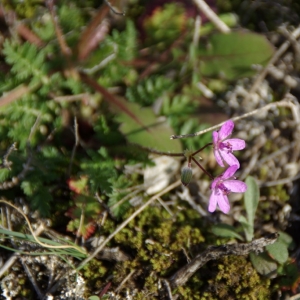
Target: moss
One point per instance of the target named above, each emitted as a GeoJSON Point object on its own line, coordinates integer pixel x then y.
{"type": "Point", "coordinates": [236, 278]}
{"type": "Point", "coordinates": [94, 271]}
{"type": "Point", "coordinates": [157, 242]}
{"type": "Point", "coordinates": [279, 191]}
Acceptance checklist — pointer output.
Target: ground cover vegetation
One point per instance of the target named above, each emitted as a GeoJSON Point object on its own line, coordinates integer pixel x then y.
{"type": "Point", "coordinates": [149, 149]}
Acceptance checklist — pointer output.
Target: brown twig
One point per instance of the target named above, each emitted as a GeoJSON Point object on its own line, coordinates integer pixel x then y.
{"type": "Point", "coordinates": [113, 10]}
{"type": "Point", "coordinates": [216, 252]}
{"type": "Point", "coordinates": [94, 33]}
{"type": "Point", "coordinates": [29, 35]}
{"type": "Point", "coordinates": [17, 93]}
{"type": "Point", "coordinates": [65, 49]}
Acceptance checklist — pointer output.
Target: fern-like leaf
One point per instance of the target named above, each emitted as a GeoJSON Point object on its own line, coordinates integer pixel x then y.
{"type": "Point", "coordinates": [26, 60]}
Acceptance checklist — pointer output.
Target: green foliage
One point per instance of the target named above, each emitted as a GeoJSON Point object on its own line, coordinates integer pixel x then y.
{"type": "Point", "coordinates": [45, 90]}
{"type": "Point", "coordinates": [118, 193]}
{"type": "Point", "coordinates": [26, 60]}
{"type": "Point", "coordinates": [153, 134]}
{"type": "Point", "coordinates": [251, 198]}
{"type": "Point", "coordinates": [278, 251]}
{"type": "Point", "coordinates": [263, 264]}
{"type": "Point", "coordinates": [4, 174]}
{"type": "Point", "coordinates": [47, 165]}
{"type": "Point", "coordinates": [149, 90]}
{"type": "Point", "coordinates": [115, 50]}
{"type": "Point", "coordinates": [101, 170]}
{"type": "Point", "coordinates": [223, 58]}
{"type": "Point", "coordinates": [70, 24]}
{"type": "Point", "coordinates": [165, 24]}
{"type": "Point", "coordinates": [224, 230]}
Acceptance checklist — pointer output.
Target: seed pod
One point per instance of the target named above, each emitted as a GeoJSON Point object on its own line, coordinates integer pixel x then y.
{"type": "Point", "coordinates": [186, 175]}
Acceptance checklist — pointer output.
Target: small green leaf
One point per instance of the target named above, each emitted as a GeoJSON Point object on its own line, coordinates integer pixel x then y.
{"type": "Point", "coordinates": [94, 298]}
{"type": "Point", "coordinates": [232, 55]}
{"type": "Point", "coordinates": [286, 239]}
{"type": "Point", "coordinates": [263, 264]}
{"type": "Point", "coordinates": [251, 198]}
{"type": "Point", "coordinates": [225, 230]}
{"type": "Point", "coordinates": [155, 134]}
{"type": "Point", "coordinates": [4, 174]}
{"type": "Point", "coordinates": [248, 228]}
{"type": "Point", "coordinates": [278, 251]}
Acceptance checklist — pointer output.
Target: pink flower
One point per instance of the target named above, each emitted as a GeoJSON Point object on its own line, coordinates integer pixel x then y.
{"type": "Point", "coordinates": [223, 147]}
{"type": "Point", "coordinates": [222, 186]}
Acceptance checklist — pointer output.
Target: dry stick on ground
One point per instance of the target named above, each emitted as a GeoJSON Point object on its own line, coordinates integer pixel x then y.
{"type": "Point", "coordinates": [295, 34]}
{"type": "Point", "coordinates": [31, 278]}
{"type": "Point", "coordinates": [113, 10]}
{"type": "Point", "coordinates": [216, 252]}
{"type": "Point", "coordinates": [279, 181]}
{"type": "Point", "coordinates": [168, 288]}
{"type": "Point", "coordinates": [211, 15]}
{"type": "Point", "coordinates": [118, 289]}
{"type": "Point", "coordinates": [286, 102]}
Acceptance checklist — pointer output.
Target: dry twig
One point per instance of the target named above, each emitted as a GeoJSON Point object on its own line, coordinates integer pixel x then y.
{"type": "Point", "coordinates": [295, 34]}
{"type": "Point", "coordinates": [216, 252]}
{"type": "Point", "coordinates": [210, 14]}
{"type": "Point", "coordinates": [286, 102]}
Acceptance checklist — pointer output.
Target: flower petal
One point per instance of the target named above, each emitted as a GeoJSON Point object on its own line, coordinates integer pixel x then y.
{"type": "Point", "coordinates": [224, 203]}
{"type": "Point", "coordinates": [235, 186]}
{"type": "Point", "coordinates": [236, 144]}
{"type": "Point", "coordinates": [213, 200]}
{"type": "Point", "coordinates": [215, 182]}
{"type": "Point", "coordinates": [229, 172]}
{"type": "Point", "coordinates": [215, 136]}
{"type": "Point", "coordinates": [229, 158]}
{"type": "Point", "coordinates": [218, 157]}
{"type": "Point", "coordinates": [226, 130]}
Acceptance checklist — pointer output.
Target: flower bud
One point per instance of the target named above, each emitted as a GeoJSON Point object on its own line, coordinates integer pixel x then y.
{"type": "Point", "coordinates": [186, 175]}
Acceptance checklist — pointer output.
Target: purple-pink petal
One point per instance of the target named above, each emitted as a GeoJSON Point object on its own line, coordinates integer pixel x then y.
{"type": "Point", "coordinates": [236, 144]}
{"type": "Point", "coordinates": [229, 172]}
{"type": "Point", "coordinates": [230, 158]}
{"type": "Point", "coordinates": [226, 130]}
{"type": "Point", "coordinates": [215, 136]}
{"type": "Point", "coordinates": [215, 183]}
{"type": "Point", "coordinates": [235, 186]}
{"type": "Point", "coordinates": [213, 201]}
{"type": "Point", "coordinates": [218, 157]}
{"type": "Point", "coordinates": [224, 203]}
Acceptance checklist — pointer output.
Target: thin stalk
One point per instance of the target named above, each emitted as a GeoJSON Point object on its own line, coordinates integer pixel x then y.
{"type": "Point", "coordinates": [198, 164]}
{"type": "Point", "coordinates": [209, 144]}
